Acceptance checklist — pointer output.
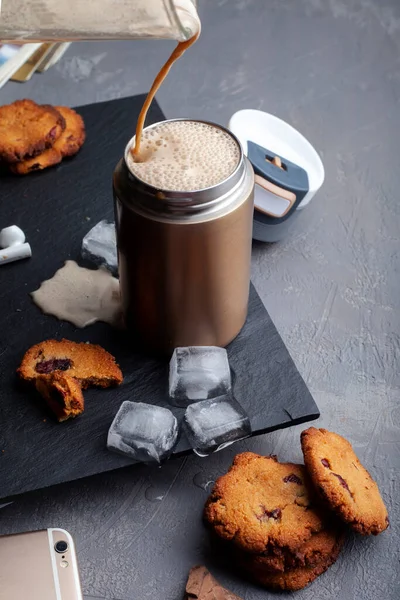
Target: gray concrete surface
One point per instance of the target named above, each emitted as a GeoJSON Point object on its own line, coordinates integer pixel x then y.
{"type": "Point", "coordinates": [332, 69]}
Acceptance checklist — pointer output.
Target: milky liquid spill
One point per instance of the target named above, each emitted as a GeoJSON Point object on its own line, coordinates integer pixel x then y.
{"type": "Point", "coordinates": [185, 156]}
{"type": "Point", "coordinates": [80, 296]}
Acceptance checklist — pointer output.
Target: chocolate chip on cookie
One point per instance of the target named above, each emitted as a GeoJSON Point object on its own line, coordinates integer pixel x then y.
{"type": "Point", "coordinates": [299, 577]}
{"type": "Point", "coordinates": [261, 505]}
{"type": "Point", "coordinates": [343, 482]}
{"type": "Point", "coordinates": [88, 363]}
{"type": "Point", "coordinates": [27, 129]}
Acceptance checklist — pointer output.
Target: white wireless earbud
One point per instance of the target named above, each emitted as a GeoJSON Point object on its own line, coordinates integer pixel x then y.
{"type": "Point", "coordinates": [12, 242]}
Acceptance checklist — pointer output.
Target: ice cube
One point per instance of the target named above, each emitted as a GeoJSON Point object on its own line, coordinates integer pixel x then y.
{"type": "Point", "coordinates": [143, 432]}
{"type": "Point", "coordinates": [99, 246]}
{"type": "Point", "coordinates": [214, 424]}
{"type": "Point", "coordinates": [198, 373]}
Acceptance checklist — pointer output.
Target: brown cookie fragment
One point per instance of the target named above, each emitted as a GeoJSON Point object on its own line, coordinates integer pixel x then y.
{"type": "Point", "coordinates": [297, 578]}
{"type": "Point", "coordinates": [263, 506]}
{"type": "Point", "coordinates": [88, 363]}
{"type": "Point", "coordinates": [27, 129]}
{"type": "Point", "coordinates": [201, 585]}
{"type": "Point", "coordinates": [63, 394]}
{"type": "Point", "coordinates": [343, 482]}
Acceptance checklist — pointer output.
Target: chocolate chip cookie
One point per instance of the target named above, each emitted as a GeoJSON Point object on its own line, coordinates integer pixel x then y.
{"type": "Point", "coordinates": [27, 129]}
{"type": "Point", "coordinates": [68, 144]}
{"type": "Point", "coordinates": [263, 505]}
{"type": "Point", "coordinates": [343, 482]}
{"type": "Point", "coordinates": [297, 578]}
{"type": "Point", "coordinates": [88, 363]}
{"type": "Point", "coordinates": [310, 554]}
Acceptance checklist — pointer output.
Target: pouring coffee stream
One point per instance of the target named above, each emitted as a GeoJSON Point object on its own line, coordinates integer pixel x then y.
{"type": "Point", "coordinates": [176, 54]}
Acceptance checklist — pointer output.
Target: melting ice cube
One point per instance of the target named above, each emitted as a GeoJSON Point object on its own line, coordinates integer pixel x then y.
{"type": "Point", "coordinates": [99, 246]}
{"type": "Point", "coordinates": [214, 424]}
{"type": "Point", "coordinates": [143, 432]}
{"type": "Point", "coordinates": [198, 373]}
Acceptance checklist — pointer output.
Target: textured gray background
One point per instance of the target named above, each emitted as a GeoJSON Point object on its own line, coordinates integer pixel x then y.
{"type": "Point", "coordinates": [332, 69]}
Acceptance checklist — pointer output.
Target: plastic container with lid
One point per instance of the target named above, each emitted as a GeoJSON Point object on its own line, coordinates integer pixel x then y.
{"type": "Point", "coordinates": [288, 170]}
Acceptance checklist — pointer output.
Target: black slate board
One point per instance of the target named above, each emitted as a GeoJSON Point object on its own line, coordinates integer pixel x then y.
{"type": "Point", "coordinates": [56, 209]}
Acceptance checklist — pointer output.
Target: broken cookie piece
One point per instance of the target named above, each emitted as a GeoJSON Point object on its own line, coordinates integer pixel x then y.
{"type": "Point", "coordinates": [60, 369]}
{"type": "Point", "coordinates": [90, 364]}
{"type": "Point", "coordinates": [201, 585]}
{"type": "Point", "coordinates": [62, 394]}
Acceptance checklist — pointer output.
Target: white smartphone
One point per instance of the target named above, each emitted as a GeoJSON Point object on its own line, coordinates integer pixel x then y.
{"type": "Point", "coordinates": [39, 565]}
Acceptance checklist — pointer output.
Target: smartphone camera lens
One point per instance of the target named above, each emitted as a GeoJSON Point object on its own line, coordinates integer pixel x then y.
{"type": "Point", "coordinates": [61, 547]}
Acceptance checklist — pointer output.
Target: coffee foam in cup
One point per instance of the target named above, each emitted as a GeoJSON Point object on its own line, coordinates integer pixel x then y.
{"type": "Point", "coordinates": [185, 156]}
